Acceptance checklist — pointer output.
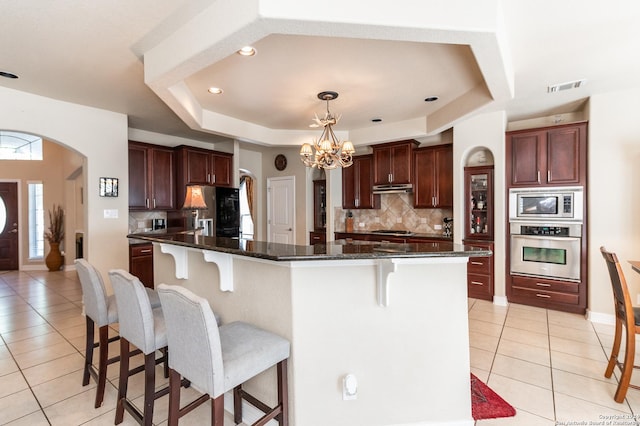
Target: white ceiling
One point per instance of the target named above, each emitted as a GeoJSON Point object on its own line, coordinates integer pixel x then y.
{"type": "Point", "coordinates": [384, 58]}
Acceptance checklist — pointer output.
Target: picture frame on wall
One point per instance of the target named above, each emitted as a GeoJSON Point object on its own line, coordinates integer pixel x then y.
{"type": "Point", "coordinates": [108, 187]}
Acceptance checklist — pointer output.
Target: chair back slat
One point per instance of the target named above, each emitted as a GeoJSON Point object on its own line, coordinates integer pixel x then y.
{"type": "Point", "coordinates": [193, 338]}
{"type": "Point", "coordinates": [94, 294]}
{"type": "Point", "coordinates": [622, 299]}
{"type": "Point", "coordinates": [134, 310]}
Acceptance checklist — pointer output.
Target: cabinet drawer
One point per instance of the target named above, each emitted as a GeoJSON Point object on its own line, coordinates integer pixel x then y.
{"type": "Point", "coordinates": [545, 285]}
{"type": "Point", "coordinates": [141, 250]}
{"type": "Point", "coordinates": [545, 296]}
{"type": "Point", "coordinates": [479, 265]}
{"type": "Point", "coordinates": [317, 238]}
{"type": "Point", "coordinates": [478, 282]}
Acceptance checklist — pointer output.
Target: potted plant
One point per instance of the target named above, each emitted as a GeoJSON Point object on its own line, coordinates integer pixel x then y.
{"type": "Point", "coordinates": [54, 259]}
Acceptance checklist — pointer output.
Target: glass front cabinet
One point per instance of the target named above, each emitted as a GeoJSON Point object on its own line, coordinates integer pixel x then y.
{"type": "Point", "coordinates": [478, 229]}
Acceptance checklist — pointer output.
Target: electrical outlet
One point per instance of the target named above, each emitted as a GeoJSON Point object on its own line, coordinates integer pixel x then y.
{"type": "Point", "coordinates": [437, 227]}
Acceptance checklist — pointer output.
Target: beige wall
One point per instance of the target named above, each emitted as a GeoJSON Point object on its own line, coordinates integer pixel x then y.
{"type": "Point", "coordinates": [614, 192]}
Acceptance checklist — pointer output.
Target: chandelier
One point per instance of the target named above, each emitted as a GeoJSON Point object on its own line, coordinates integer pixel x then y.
{"type": "Point", "coordinates": [330, 153]}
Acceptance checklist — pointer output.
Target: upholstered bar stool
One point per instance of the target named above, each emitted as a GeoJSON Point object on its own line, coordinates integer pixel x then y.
{"type": "Point", "coordinates": [144, 327]}
{"type": "Point", "coordinates": [218, 359]}
{"type": "Point", "coordinates": [100, 309]}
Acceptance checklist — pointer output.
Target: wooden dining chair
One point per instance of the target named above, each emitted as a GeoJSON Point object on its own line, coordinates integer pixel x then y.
{"type": "Point", "coordinates": [627, 317]}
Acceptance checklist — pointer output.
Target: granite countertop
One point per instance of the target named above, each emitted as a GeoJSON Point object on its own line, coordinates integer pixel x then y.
{"type": "Point", "coordinates": [413, 235]}
{"type": "Point", "coordinates": [334, 250]}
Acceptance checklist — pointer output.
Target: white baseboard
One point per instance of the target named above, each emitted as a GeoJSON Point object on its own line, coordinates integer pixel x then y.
{"type": "Point", "coordinates": [500, 301]}
{"type": "Point", "coordinates": [601, 318]}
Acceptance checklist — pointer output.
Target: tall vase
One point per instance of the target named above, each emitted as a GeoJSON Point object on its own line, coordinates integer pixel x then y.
{"type": "Point", "coordinates": [54, 259]}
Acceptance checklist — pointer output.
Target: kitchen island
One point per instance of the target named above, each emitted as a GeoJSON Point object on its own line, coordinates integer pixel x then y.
{"type": "Point", "coordinates": [393, 315]}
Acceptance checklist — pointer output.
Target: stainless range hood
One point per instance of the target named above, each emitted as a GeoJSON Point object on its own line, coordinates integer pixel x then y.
{"type": "Point", "coordinates": [393, 189]}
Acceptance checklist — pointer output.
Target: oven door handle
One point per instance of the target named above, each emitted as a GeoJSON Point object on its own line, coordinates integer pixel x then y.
{"type": "Point", "coordinates": [545, 237]}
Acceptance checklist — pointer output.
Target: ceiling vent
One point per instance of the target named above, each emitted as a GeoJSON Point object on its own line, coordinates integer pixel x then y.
{"type": "Point", "coordinates": [566, 86]}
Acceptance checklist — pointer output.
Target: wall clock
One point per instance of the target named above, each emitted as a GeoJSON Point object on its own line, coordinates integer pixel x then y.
{"type": "Point", "coordinates": [281, 162]}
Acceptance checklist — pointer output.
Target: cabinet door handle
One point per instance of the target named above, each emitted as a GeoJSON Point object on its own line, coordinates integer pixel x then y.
{"type": "Point", "coordinates": [477, 263]}
{"type": "Point", "coordinates": [538, 176]}
{"type": "Point", "coordinates": [545, 296]}
{"type": "Point", "coordinates": [548, 175]}
{"type": "Point", "coordinates": [145, 251]}
{"type": "Point", "coordinates": [543, 285]}
{"type": "Point", "coordinates": [476, 283]}
{"type": "Point", "coordinates": [154, 203]}
{"type": "Point", "coordinates": [209, 177]}
{"type": "Point", "coordinates": [214, 178]}
{"type": "Point", "coordinates": [146, 202]}
{"type": "Point", "coordinates": [390, 177]}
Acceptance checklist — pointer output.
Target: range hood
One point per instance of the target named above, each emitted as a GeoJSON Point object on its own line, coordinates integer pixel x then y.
{"type": "Point", "coordinates": [393, 189]}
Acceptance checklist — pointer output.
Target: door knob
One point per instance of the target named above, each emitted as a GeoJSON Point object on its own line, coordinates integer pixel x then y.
{"type": "Point", "coordinates": [290, 229]}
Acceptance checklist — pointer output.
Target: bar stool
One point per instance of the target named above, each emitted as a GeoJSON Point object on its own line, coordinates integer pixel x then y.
{"type": "Point", "coordinates": [144, 327]}
{"type": "Point", "coordinates": [100, 310]}
{"type": "Point", "coordinates": [216, 359]}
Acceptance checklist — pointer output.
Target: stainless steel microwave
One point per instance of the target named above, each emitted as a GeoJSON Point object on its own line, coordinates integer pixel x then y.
{"type": "Point", "coordinates": [546, 203]}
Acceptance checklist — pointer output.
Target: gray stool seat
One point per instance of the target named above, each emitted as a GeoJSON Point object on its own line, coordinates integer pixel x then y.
{"type": "Point", "coordinates": [143, 326]}
{"type": "Point", "coordinates": [217, 359]}
{"type": "Point", "coordinates": [100, 310]}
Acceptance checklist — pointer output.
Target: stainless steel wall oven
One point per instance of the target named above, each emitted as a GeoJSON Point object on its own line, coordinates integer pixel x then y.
{"type": "Point", "coordinates": [548, 250]}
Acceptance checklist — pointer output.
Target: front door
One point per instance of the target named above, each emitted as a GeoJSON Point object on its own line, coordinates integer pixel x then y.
{"type": "Point", "coordinates": [281, 210]}
{"type": "Point", "coordinates": [8, 226]}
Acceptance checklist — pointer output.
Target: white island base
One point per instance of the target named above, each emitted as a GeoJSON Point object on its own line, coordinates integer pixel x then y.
{"type": "Point", "coordinates": [410, 358]}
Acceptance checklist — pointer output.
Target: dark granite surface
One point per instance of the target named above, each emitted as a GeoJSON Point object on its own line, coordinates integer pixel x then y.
{"type": "Point", "coordinates": [331, 251]}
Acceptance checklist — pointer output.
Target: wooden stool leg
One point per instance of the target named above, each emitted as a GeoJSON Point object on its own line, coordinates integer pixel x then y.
{"type": "Point", "coordinates": [217, 411]}
{"type": "Point", "coordinates": [237, 404]}
{"type": "Point", "coordinates": [88, 351]}
{"type": "Point", "coordinates": [627, 369]}
{"type": "Point", "coordinates": [149, 387]}
{"type": "Point", "coordinates": [123, 380]}
{"type": "Point", "coordinates": [283, 393]}
{"type": "Point", "coordinates": [615, 350]}
{"type": "Point", "coordinates": [174, 397]}
{"type": "Point", "coordinates": [102, 364]}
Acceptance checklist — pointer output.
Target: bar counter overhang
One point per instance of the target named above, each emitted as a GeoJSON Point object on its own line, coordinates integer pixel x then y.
{"type": "Point", "coordinates": [394, 315]}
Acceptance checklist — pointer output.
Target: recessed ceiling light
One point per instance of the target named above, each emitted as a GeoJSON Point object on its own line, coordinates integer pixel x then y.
{"type": "Point", "coordinates": [247, 51]}
{"type": "Point", "coordinates": [215, 90]}
{"type": "Point", "coordinates": [7, 74]}
{"type": "Point", "coordinates": [376, 120]}
{"type": "Point", "coordinates": [566, 86]}
{"type": "Point", "coordinates": [431, 99]}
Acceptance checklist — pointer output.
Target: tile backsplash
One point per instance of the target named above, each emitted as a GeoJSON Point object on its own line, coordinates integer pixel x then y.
{"type": "Point", "coordinates": [396, 212]}
{"type": "Point", "coordinates": [142, 221]}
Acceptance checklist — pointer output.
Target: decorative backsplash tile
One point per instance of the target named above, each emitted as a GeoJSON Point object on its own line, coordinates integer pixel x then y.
{"type": "Point", "coordinates": [142, 221]}
{"type": "Point", "coordinates": [396, 212]}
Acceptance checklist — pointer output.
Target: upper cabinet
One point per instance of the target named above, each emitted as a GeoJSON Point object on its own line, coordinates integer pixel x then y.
{"type": "Point", "coordinates": [357, 185]}
{"type": "Point", "coordinates": [151, 177]}
{"type": "Point", "coordinates": [392, 162]}
{"type": "Point", "coordinates": [552, 156]}
{"type": "Point", "coordinates": [196, 166]}
{"type": "Point", "coordinates": [433, 177]}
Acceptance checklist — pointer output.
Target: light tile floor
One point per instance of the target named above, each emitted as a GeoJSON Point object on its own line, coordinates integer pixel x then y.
{"type": "Point", "coordinates": [549, 365]}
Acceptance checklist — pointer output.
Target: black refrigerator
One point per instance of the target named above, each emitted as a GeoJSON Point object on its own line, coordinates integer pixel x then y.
{"type": "Point", "coordinates": [227, 212]}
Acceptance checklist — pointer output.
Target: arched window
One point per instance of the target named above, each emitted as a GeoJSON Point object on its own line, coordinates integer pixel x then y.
{"type": "Point", "coordinates": [20, 146]}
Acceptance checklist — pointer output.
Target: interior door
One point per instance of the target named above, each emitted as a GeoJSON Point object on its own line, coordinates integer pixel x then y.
{"type": "Point", "coordinates": [8, 226]}
{"type": "Point", "coordinates": [281, 210]}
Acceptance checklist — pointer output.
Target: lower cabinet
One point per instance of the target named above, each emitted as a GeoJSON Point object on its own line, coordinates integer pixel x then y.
{"type": "Point", "coordinates": [480, 272]}
{"type": "Point", "coordinates": [316, 237]}
{"type": "Point", "coordinates": [546, 293]}
{"type": "Point", "coordinates": [141, 263]}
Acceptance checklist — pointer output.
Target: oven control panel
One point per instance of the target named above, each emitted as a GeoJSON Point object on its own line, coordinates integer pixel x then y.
{"type": "Point", "coordinates": [558, 231]}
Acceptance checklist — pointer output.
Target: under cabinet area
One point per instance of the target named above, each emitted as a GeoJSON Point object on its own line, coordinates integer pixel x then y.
{"type": "Point", "coordinates": [141, 263]}
{"type": "Point", "coordinates": [151, 177]}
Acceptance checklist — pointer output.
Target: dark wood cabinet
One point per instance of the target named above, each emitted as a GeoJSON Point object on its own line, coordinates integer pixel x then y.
{"type": "Point", "coordinates": [141, 263]}
{"type": "Point", "coordinates": [393, 162]}
{"type": "Point", "coordinates": [317, 237]}
{"type": "Point", "coordinates": [197, 166]}
{"type": "Point", "coordinates": [357, 185]}
{"type": "Point", "coordinates": [480, 272]}
{"type": "Point", "coordinates": [552, 156]}
{"type": "Point", "coordinates": [151, 177]}
{"type": "Point", "coordinates": [433, 177]}
{"type": "Point", "coordinates": [478, 191]}
{"type": "Point", "coordinates": [319, 205]}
